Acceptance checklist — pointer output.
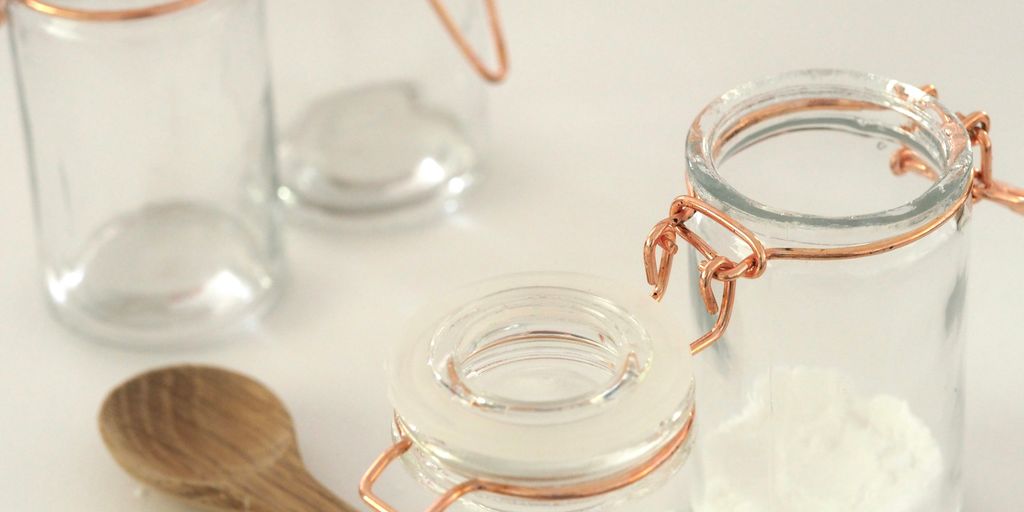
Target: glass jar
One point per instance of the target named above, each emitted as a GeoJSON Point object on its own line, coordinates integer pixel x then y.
{"type": "Point", "coordinates": [382, 118]}
{"type": "Point", "coordinates": [149, 137]}
{"type": "Point", "coordinates": [838, 384]}
{"type": "Point", "coordinates": [542, 391]}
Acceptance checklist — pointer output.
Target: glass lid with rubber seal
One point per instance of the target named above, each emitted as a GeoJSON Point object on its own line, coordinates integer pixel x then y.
{"type": "Point", "coordinates": [543, 390]}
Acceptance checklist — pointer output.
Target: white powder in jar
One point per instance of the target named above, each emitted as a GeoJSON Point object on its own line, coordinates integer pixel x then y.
{"type": "Point", "coordinates": [807, 443]}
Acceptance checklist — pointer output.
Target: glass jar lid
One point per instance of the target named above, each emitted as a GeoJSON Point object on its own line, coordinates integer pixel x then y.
{"type": "Point", "coordinates": [540, 379]}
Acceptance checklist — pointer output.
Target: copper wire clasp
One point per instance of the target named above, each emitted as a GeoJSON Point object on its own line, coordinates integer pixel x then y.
{"type": "Point", "coordinates": [561, 493]}
{"type": "Point", "coordinates": [715, 267]}
{"type": "Point", "coordinates": [662, 236]}
{"type": "Point", "coordinates": [497, 37]}
{"type": "Point", "coordinates": [983, 186]}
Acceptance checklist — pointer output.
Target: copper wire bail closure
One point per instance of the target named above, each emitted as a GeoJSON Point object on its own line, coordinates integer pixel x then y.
{"type": "Point", "coordinates": [497, 39]}
{"type": "Point", "coordinates": [569, 492]}
{"type": "Point", "coordinates": [716, 267]}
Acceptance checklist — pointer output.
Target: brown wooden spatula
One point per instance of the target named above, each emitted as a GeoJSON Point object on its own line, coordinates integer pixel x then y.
{"type": "Point", "coordinates": [216, 439]}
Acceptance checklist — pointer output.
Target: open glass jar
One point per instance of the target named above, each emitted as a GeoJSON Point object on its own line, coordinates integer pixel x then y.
{"type": "Point", "coordinates": [150, 145]}
{"type": "Point", "coordinates": [834, 382]}
{"type": "Point", "coordinates": [550, 391]}
{"type": "Point", "coordinates": [381, 104]}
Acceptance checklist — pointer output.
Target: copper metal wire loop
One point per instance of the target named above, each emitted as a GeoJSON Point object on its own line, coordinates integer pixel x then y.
{"type": "Point", "coordinates": [52, 9]}
{"type": "Point", "coordinates": [497, 39]}
{"type": "Point", "coordinates": [568, 492]}
{"type": "Point", "coordinates": [716, 267]}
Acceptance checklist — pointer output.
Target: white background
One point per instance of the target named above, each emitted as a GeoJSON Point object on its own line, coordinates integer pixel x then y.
{"type": "Point", "coordinates": [589, 151]}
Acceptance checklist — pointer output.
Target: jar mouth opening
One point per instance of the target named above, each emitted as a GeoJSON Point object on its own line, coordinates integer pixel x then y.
{"type": "Point", "coordinates": [828, 100]}
{"type": "Point", "coordinates": [539, 354]}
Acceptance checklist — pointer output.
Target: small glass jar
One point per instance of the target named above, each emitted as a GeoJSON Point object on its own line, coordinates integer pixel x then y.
{"type": "Point", "coordinates": [543, 391]}
{"type": "Point", "coordinates": [150, 146]}
{"type": "Point", "coordinates": [838, 385]}
{"type": "Point", "coordinates": [386, 125]}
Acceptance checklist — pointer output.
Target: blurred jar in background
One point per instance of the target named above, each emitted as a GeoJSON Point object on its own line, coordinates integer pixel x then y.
{"type": "Point", "coordinates": [381, 115]}
{"type": "Point", "coordinates": [150, 146]}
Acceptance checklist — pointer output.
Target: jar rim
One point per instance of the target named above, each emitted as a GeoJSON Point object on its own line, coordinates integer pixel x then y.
{"type": "Point", "coordinates": [718, 121]}
{"type": "Point", "coordinates": [617, 435]}
{"type": "Point", "coordinates": [155, 8]}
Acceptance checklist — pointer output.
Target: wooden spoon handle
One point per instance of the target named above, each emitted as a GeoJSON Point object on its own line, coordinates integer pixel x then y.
{"type": "Point", "coordinates": [288, 487]}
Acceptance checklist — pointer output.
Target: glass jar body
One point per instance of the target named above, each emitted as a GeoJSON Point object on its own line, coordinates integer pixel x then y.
{"type": "Point", "coordinates": [832, 374]}
{"type": "Point", "coordinates": [381, 116]}
{"type": "Point", "coordinates": [152, 165]}
{"type": "Point", "coordinates": [838, 385]}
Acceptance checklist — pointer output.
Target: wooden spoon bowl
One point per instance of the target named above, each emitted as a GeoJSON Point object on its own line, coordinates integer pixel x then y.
{"type": "Point", "coordinates": [214, 438]}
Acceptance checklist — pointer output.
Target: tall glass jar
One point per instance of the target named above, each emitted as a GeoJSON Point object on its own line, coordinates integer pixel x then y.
{"type": "Point", "coordinates": [382, 117]}
{"type": "Point", "coordinates": [149, 136]}
{"type": "Point", "coordinates": [543, 391]}
{"type": "Point", "coordinates": [838, 384]}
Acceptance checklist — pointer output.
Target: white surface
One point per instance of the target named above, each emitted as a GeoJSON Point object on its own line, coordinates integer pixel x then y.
{"type": "Point", "coordinates": [589, 133]}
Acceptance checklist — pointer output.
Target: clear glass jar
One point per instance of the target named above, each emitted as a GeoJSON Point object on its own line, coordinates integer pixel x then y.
{"type": "Point", "coordinates": [545, 382]}
{"type": "Point", "coordinates": [382, 117]}
{"type": "Point", "coordinates": [149, 136]}
{"type": "Point", "coordinates": [838, 385]}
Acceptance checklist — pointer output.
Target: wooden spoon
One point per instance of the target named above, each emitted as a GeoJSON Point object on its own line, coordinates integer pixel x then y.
{"type": "Point", "coordinates": [216, 439]}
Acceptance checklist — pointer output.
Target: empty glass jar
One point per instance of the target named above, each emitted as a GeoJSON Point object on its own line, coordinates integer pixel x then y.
{"type": "Point", "coordinates": [381, 115]}
{"type": "Point", "coordinates": [542, 391]}
{"type": "Point", "coordinates": [149, 137]}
